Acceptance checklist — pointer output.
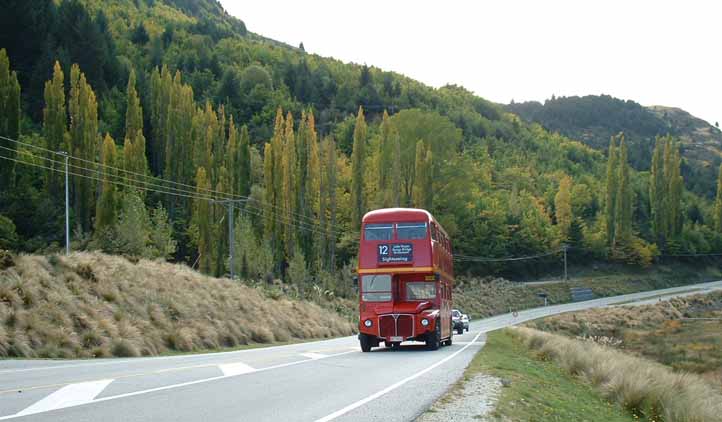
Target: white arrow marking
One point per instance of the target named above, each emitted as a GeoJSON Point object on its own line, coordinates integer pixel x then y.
{"type": "Point", "coordinates": [238, 368]}
{"type": "Point", "coordinates": [70, 395]}
{"type": "Point", "coordinates": [314, 356]}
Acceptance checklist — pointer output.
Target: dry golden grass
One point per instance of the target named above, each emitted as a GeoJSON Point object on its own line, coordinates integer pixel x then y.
{"type": "Point", "coordinates": [648, 389]}
{"type": "Point", "coordinates": [95, 305]}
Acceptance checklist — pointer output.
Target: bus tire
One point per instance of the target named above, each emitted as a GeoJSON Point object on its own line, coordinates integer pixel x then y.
{"type": "Point", "coordinates": [365, 342]}
{"type": "Point", "coordinates": [433, 340]}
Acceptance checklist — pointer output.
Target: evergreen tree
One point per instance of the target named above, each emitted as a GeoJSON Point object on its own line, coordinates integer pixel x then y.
{"type": "Point", "coordinates": [611, 191]}
{"type": "Point", "coordinates": [358, 158]}
{"type": "Point", "coordinates": [107, 202]}
{"type": "Point", "coordinates": [563, 208]}
{"type": "Point", "coordinates": [623, 208]}
{"type": "Point", "coordinates": [83, 140]}
{"type": "Point", "coordinates": [718, 204]}
{"type": "Point", "coordinates": [55, 120]}
{"type": "Point", "coordinates": [160, 237]}
{"type": "Point", "coordinates": [9, 120]}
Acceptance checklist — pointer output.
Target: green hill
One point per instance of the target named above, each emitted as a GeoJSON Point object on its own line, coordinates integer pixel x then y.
{"type": "Point", "coordinates": [182, 105]}
{"type": "Point", "coordinates": [594, 119]}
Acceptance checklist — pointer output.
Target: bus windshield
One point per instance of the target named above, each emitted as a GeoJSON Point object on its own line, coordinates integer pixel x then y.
{"type": "Point", "coordinates": [420, 290]}
{"type": "Point", "coordinates": [411, 231]}
{"type": "Point", "coordinates": [376, 288]}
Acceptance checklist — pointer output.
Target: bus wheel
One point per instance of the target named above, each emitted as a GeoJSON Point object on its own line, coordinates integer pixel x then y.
{"type": "Point", "coordinates": [449, 341]}
{"type": "Point", "coordinates": [433, 340]}
{"type": "Point", "coordinates": [365, 343]}
{"type": "Point", "coordinates": [396, 345]}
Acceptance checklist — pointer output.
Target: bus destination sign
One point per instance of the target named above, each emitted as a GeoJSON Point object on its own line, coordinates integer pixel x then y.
{"type": "Point", "coordinates": [390, 253]}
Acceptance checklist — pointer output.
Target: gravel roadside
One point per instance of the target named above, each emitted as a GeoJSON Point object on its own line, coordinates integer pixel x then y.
{"type": "Point", "coordinates": [472, 403]}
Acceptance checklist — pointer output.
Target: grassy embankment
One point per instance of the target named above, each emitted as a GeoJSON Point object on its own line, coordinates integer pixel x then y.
{"type": "Point", "coordinates": [661, 332]}
{"type": "Point", "coordinates": [536, 390]}
{"type": "Point", "coordinates": [95, 305]}
{"type": "Point", "coordinates": [491, 296]}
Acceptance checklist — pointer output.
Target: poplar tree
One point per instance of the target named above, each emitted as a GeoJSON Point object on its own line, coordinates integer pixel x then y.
{"type": "Point", "coordinates": [289, 195]}
{"type": "Point", "coordinates": [611, 191]}
{"type": "Point", "coordinates": [313, 184]}
{"type": "Point", "coordinates": [358, 158]}
{"type": "Point", "coordinates": [331, 188]}
{"type": "Point", "coordinates": [83, 145]}
{"type": "Point", "coordinates": [134, 159]}
{"type": "Point", "coordinates": [55, 120]}
{"type": "Point", "coordinates": [202, 221]}
{"type": "Point", "coordinates": [676, 186]}
{"type": "Point", "coordinates": [323, 194]}
{"type": "Point", "coordinates": [105, 211]}
{"type": "Point", "coordinates": [718, 204]}
{"type": "Point", "coordinates": [243, 183]}
{"type": "Point", "coordinates": [563, 207]}
{"type": "Point", "coordinates": [623, 208]}
{"type": "Point", "coordinates": [9, 120]}
{"type": "Point", "coordinates": [422, 191]}
{"type": "Point", "coordinates": [384, 161]}
{"type": "Point", "coordinates": [657, 190]}
{"type": "Point", "coordinates": [219, 230]}
{"type": "Point", "coordinates": [395, 184]}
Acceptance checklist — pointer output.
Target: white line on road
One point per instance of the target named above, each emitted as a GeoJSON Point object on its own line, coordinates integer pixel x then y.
{"type": "Point", "coordinates": [184, 384]}
{"type": "Point", "coordinates": [70, 395]}
{"type": "Point", "coordinates": [392, 387]}
{"type": "Point", "coordinates": [312, 355]}
{"type": "Point", "coordinates": [237, 368]}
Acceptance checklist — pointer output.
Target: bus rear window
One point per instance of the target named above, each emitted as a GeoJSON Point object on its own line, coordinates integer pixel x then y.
{"type": "Point", "coordinates": [378, 232]}
{"type": "Point", "coordinates": [376, 288]}
{"type": "Point", "coordinates": [411, 231]}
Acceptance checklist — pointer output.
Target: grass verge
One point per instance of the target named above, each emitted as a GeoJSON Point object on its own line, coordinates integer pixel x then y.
{"type": "Point", "coordinates": [537, 390]}
{"type": "Point", "coordinates": [646, 389]}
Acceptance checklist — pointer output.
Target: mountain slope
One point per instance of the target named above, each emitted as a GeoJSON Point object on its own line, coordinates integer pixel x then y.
{"type": "Point", "coordinates": [594, 119]}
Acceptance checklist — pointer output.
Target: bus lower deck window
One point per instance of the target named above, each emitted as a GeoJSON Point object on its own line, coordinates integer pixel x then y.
{"type": "Point", "coordinates": [378, 232]}
{"type": "Point", "coordinates": [376, 288]}
{"type": "Point", "coordinates": [411, 231]}
{"type": "Point", "coordinates": [420, 290]}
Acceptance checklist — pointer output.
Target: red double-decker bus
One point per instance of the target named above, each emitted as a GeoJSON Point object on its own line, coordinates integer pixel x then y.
{"type": "Point", "coordinates": [405, 275]}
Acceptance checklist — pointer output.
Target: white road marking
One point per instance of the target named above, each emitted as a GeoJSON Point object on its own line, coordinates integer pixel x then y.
{"type": "Point", "coordinates": [70, 395]}
{"type": "Point", "coordinates": [479, 343]}
{"type": "Point", "coordinates": [237, 368]}
{"type": "Point", "coordinates": [184, 384]}
{"type": "Point", "coordinates": [312, 355]}
{"type": "Point", "coordinates": [392, 387]}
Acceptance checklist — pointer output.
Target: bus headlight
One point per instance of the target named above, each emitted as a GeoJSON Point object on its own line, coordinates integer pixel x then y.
{"type": "Point", "coordinates": [424, 322]}
{"type": "Point", "coordinates": [368, 323]}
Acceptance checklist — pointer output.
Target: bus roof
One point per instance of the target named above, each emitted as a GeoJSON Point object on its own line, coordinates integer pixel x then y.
{"type": "Point", "coordinates": [399, 215]}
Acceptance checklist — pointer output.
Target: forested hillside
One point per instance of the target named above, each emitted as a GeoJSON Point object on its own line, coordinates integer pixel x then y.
{"type": "Point", "coordinates": [176, 119]}
{"type": "Point", "coordinates": [594, 119]}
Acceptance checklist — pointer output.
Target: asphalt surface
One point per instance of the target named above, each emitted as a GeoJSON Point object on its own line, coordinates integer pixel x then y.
{"type": "Point", "coordinates": [318, 381]}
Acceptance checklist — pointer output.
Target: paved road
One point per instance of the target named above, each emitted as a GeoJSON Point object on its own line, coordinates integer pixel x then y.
{"type": "Point", "coordinates": [319, 381]}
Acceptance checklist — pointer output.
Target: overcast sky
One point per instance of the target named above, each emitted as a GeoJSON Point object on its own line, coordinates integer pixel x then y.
{"type": "Point", "coordinates": [653, 52]}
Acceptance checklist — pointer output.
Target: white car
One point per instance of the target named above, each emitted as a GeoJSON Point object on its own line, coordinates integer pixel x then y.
{"type": "Point", "coordinates": [460, 321]}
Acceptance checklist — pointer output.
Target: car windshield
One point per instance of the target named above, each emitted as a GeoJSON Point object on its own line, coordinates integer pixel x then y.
{"type": "Point", "coordinates": [376, 288]}
{"type": "Point", "coordinates": [411, 231]}
{"type": "Point", "coordinates": [455, 313]}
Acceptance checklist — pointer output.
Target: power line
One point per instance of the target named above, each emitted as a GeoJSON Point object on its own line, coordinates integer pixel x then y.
{"type": "Point", "coordinates": [465, 258]}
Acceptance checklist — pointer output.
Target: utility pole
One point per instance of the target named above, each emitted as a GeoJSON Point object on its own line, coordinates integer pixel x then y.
{"type": "Point", "coordinates": [67, 204]}
{"type": "Point", "coordinates": [231, 233]}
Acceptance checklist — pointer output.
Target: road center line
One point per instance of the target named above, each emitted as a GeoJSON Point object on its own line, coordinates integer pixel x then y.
{"type": "Point", "coordinates": [392, 387]}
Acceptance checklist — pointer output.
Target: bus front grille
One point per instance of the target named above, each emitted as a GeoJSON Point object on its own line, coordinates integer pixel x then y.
{"type": "Point", "coordinates": [405, 326]}
{"type": "Point", "coordinates": [387, 326]}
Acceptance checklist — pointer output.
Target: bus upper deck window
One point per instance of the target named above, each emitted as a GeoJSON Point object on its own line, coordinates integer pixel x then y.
{"type": "Point", "coordinates": [378, 232]}
{"type": "Point", "coordinates": [411, 231]}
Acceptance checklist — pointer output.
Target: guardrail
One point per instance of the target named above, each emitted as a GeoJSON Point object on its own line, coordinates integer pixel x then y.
{"type": "Point", "coordinates": [580, 294]}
